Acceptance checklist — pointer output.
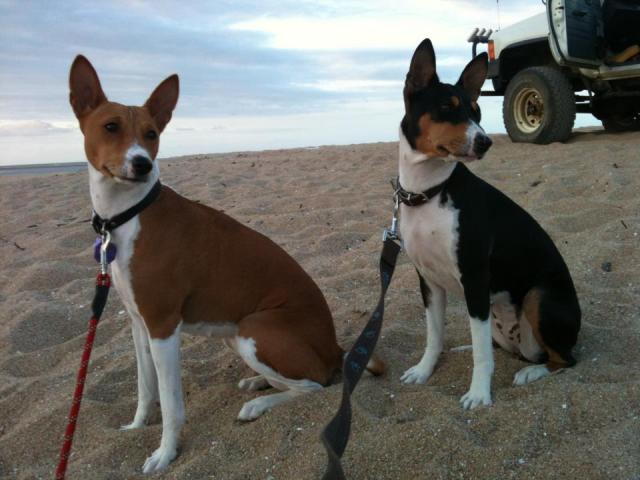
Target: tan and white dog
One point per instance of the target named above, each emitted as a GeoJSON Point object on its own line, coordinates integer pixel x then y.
{"type": "Point", "coordinates": [182, 266]}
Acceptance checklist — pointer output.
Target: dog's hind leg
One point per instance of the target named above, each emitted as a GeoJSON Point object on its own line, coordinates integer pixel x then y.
{"type": "Point", "coordinates": [147, 378]}
{"type": "Point", "coordinates": [435, 300]}
{"type": "Point", "coordinates": [270, 347]}
{"type": "Point", "coordinates": [554, 325]}
{"type": "Point", "coordinates": [256, 407]}
{"type": "Point", "coordinates": [259, 382]}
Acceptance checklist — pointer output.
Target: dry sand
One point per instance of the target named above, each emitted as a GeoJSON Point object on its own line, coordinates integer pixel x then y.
{"type": "Point", "coordinates": [327, 207]}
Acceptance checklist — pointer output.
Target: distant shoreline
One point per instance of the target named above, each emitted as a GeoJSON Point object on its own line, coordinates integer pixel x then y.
{"type": "Point", "coordinates": [43, 168]}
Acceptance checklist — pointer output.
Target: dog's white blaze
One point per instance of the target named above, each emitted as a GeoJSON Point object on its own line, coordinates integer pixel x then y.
{"type": "Point", "coordinates": [246, 348]}
{"type": "Point", "coordinates": [166, 358]}
{"type": "Point", "coordinates": [210, 329]}
{"type": "Point", "coordinates": [136, 150]}
{"type": "Point", "coordinates": [480, 391]}
{"type": "Point", "coordinates": [434, 314]}
{"type": "Point", "coordinates": [472, 131]}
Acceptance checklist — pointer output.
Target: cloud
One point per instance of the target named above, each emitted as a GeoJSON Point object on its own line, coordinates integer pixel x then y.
{"type": "Point", "coordinates": [281, 61]}
{"type": "Point", "coordinates": [353, 85]}
{"type": "Point", "coordinates": [377, 27]}
{"type": "Point", "coordinates": [31, 128]}
{"type": "Point", "coordinates": [234, 57]}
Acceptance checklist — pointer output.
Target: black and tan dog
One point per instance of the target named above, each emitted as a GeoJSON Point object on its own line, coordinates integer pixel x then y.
{"type": "Point", "coordinates": [465, 237]}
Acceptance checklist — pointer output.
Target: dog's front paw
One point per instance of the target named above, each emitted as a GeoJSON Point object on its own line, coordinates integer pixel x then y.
{"type": "Point", "coordinates": [133, 425]}
{"type": "Point", "coordinates": [253, 409]}
{"type": "Point", "coordinates": [476, 397]}
{"type": "Point", "coordinates": [159, 460]}
{"type": "Point", "coordinates": [530, 374]}
{"type": "Point", "coordinates": [417, 374]}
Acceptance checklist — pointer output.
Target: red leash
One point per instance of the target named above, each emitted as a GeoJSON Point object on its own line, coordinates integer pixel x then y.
{"type": "Point", "coordinates": [104, 253]}
{"type": "Point", "coordinates": [103, 282]}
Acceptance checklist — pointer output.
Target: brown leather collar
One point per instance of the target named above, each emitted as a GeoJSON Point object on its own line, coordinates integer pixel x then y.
{"type": "Point", "coordinates": [413, 199]}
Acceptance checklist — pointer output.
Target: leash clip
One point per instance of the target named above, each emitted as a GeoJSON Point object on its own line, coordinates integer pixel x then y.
{"type": "Point", "coordinates": [106, 239]}
{"type": "Point", "coordinates": [391, 233]}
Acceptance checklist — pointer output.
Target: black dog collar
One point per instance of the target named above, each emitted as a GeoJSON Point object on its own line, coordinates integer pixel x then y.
{"type": "Point", "coordinates": [413, 199]}
{"type": "Point", "coordinates": [103, 225]}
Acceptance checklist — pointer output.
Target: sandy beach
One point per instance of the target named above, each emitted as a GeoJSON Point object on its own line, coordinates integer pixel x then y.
{"type": "Point", "coordinates": [327, 206]}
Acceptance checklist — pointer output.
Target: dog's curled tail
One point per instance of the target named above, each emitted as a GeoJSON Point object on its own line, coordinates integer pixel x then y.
{"type": "Point", "coordinates": [376, 366]}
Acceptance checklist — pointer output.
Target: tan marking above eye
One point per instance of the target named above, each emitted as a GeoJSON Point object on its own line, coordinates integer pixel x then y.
{"type": "Point", "coordinates": [455, 101]}
{"type": "Point", "coordinates": [474, 105]}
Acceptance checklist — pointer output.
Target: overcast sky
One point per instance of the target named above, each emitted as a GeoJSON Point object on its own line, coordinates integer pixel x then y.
{"type": "Point", "coordinates": [254, 74]}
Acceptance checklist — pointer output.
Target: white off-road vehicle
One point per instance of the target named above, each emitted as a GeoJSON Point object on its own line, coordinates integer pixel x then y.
{"type": "Point", "coordinates": [542, 63]}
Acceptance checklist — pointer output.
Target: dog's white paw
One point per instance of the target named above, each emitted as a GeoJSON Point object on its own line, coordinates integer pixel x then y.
{"type": "Point", "coordinates": [253, 383]}
{"type": "Point", "coordinates": [530, 374]}
{"type": "Point", "coordinates": [159, 460]}
{"type": "Point", "coordinates": [133, 425]}
{"type": "Point", "coordinates": [253, 409]}
{"type": "Point", "coordinates": [475, 397]}
{"type": "Point", "coordinates": [417, 374]}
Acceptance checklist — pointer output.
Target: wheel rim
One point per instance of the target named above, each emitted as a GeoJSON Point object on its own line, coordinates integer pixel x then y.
{"type": "Point", "coordinates": [528, 109]}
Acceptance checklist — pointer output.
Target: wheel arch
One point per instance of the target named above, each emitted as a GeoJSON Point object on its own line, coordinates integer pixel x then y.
{"type": "Point", "coordinates": [517, 57]}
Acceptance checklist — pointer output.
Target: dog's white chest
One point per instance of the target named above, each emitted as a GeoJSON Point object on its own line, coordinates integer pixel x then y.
{"type": "Point", "coordinates": [430, 236]}
{"type": "Point", "coordinates": [124, 238]}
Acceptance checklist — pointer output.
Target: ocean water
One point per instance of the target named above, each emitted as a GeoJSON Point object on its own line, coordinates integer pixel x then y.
{"type": "Point", "coordinates": [43, 169]}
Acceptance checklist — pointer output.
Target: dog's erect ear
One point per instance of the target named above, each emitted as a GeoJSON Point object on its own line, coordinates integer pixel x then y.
{"type": "Point", "coordinates": [163, 100]}
{"type": "Point", "coordinates": [474, 75]}
{"type": "Point", "coordinates": [86, 92]}
{"type": "Point", "coordinates": [422, 70]}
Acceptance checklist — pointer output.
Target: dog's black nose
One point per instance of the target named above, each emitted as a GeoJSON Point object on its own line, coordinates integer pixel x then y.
{"type": "Point", "coordinates": [141, 165]}
{"type": "Point", "coordinates": [481, 143]}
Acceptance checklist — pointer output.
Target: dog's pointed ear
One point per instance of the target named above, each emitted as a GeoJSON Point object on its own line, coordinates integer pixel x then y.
{"type": "Point", "coordinates": [163, 100]}
{"type": "Point", "coordinates": [84, 85]}
{"type": "Point", "coordinates": [422, 70]}
{"type": "Point", "coordinates": [474, 75]}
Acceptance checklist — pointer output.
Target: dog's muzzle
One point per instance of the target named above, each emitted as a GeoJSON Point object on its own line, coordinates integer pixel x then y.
{"type": "Point", "coordinates": [481, 144]}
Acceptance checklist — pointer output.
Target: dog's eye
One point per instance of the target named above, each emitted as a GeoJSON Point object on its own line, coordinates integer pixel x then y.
{"type": "Point", "coordinates": [151, 135]}
{"type": "Point", "coordinates": [445, 107]}
{"type": "Point", "coordinates": [111, 127]}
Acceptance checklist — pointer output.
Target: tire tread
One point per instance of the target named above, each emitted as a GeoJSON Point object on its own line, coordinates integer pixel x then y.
{"type": "Point", "coordinates": [559, 102]}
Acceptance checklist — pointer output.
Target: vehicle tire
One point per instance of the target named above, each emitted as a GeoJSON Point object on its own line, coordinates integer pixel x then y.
{"type": "Point", "coordinates": [539, 106]}
{"type": "Point", "coordinates": [619, 123]}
